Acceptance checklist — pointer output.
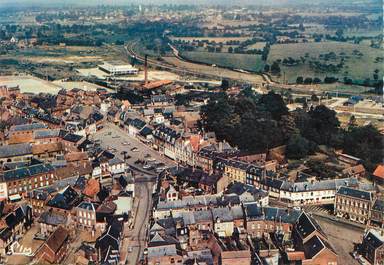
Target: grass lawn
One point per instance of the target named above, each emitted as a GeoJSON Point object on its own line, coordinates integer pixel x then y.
{"type": "Point", "coordinates": [355, 66]}
{"type": "Point", "coordinates": [248, 62]}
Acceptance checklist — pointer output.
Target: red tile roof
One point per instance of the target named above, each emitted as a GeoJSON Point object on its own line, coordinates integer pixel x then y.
{"type": "Point", "coordinates": [92, 188]}
{"type": "Point", "coordinates": [195, 142]}
{"type": "Point", "coordinates": [379, 171]}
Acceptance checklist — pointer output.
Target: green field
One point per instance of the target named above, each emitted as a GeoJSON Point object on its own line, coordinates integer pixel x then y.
{"type": "Point", "coordinates": [358, 67]}
{"type": "Point", "coordinates": [257, 46]}
{"type": "Point", "coordinates": [211, 39]}
{"type": "Point", "coordinates": [248, 62]}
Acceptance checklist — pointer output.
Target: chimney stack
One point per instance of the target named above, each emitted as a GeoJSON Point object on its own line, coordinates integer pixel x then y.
{"type": "Point", "coordinates": [146, 69]}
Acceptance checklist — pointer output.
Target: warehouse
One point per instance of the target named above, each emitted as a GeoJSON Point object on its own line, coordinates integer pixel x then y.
{"type": "Point", "coordinates": [118, 68]}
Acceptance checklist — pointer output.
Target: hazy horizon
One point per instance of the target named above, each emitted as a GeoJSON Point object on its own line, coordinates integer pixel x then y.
{"type": "Point", "coordinates": [18, 3]}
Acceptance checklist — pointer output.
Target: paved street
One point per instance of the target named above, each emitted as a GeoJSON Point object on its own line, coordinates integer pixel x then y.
{"type": "Point", "coordinates": [137, 236]}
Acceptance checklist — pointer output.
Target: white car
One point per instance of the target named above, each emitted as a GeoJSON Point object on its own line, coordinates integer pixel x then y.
{"type": "Point", "coordinates": [147, 166]}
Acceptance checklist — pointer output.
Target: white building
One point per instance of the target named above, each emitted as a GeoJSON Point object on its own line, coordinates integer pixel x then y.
{"type": "Point", "coordinates": [118, 68]}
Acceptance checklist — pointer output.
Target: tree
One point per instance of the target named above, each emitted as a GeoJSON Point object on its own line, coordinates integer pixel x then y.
{"type": "Point", "coordinates": [299, 80]}
{"type": "Point", "coordinates": [230, 49]}
{"type": "Point", "coordinates": [275, 68]}
{"type": "Point", "coordinates": [308, 80]}
{"type": "Point", "coordinates": [274, 104]}
{"type": "Point", "coordinates": [316, 80]}
{"type": "Point", "coordinates": [339, 33]}
{"type": "Point", "coordinates": [298, 147]}
{"type": "Point", "coordinates": [266, 68]}
{"type": "Point", "coordinates": [352, 121]}
{"type": "Point", "coordinates": [314, 98]}
{"type": "Point", "coordinates": [364, 142]}
{"type": "Point", "coordinates": [225, 84]}
{"type": "Point", "coordinates": [347, 81]}
{"type": "Point", "coordinates": [182, 99]}
{"type": "Point", "coordinates": [319, 125]}
{"type": "Point", "coordinates": [330, 80]}
{"type": "Point", "coordinates": [301, 27]}
{"type": "Point", "coordinates": [241, 123]}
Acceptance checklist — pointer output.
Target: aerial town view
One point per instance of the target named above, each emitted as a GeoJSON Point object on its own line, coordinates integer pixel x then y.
{"type": "Point", "coordinates": [208, 132]}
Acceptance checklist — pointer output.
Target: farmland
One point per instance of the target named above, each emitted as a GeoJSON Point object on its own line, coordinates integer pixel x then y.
{"type": "Point", "coordinates": [248, 62]}
{"type": "Point", "coordinates": [54, 62]}
{"type": "Point", "coordinates": [352, 56]}
{"type": "Point", "coordinates": [210, 39]}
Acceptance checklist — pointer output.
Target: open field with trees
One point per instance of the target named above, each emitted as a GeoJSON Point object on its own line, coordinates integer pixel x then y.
{"type": "Point", "coordinates": [248, 62]}
{"type": "Point", "coordinates": [327, 59]}
{"type": "Point", "coordinates": [210, 39]}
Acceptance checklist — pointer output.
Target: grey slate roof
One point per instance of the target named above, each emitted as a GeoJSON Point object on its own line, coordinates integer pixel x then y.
{"type": "Point", "coordinates": [358, 194]}
{"type": "Point", "coordinates": [224, 214]}
{"type": "Point", "coordinates": [306, 225]}
{"type": "Point", "coordinates": [90, 206]}
{"type": "Point", "coordinates": [115, 161]}
{"type": "Point", "coordinates": [254, 212]}
{"type": "Point", "coordinates": [26, 172]}
{"type": "Point", "coordinates": [332, 184]}
{"type": "Point", "coordinates": [52, 218]}
{"type": "Point", "coordinates": [15, 150]}
{"type": "Point", "coordinates": [378, 205]}
{"type": "Point", "coordinates": [373, 239]}
{"type": "Point", "coordinates": [313, 246]}
{"type": "Point", "coordinates": [28, 127]}
{"type": "Point", "coordinates": [40, 134]}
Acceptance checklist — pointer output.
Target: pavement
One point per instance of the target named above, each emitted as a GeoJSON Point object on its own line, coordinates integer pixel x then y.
{"type": "Point", "coordinates": [114, 137]}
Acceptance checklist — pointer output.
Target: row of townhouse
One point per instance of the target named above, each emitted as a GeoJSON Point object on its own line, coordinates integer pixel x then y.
{"type": "Point", "coordinates": [302, 193]}
{"type": "Point", "coordinates": [301, 238]}
{"type": "Point", "coordinates": [21, 180]}
{"type": "Point", "coordinates": [250, 218]}
{"type": "Point", "coordinates": [359, 206]}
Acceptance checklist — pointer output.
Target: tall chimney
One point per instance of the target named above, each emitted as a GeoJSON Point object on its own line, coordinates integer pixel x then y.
{"type": "Point", "coordinates": [146, 69]}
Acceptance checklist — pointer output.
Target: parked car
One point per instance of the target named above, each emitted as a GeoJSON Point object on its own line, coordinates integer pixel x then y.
{"type": "Point", "coordinates": [134, 149]}
{"type": "Point", "coordinates": [148, 166]}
